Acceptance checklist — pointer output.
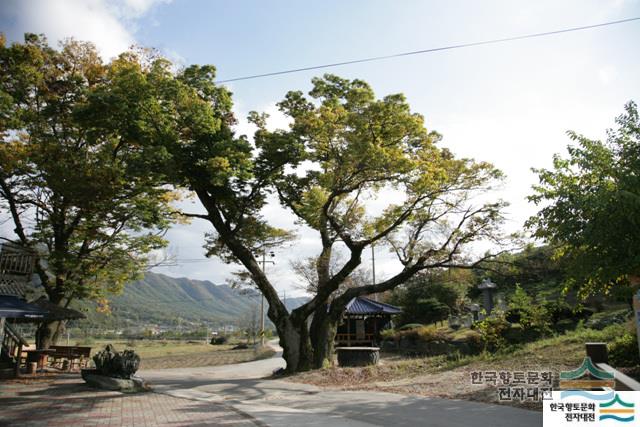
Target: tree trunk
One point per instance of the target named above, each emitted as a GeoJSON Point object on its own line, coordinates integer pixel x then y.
{"type": "Point", "coordinates": [47, 334]}
{"type": "Point", "coordinates": [295, 343]}
{"type": "Point", "coordinates": [323, 334]}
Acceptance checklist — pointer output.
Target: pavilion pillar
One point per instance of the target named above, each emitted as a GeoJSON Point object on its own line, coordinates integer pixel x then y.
{"type": "Point", "coordinates": [1, 331]}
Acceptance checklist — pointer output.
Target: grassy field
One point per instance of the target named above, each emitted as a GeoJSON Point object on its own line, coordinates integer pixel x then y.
{"type": "Point", "coordinates": [163, 354]}
{"type": "Point", "coordinates": [445, 377]}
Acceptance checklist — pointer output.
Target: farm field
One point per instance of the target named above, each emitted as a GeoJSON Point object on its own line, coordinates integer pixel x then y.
{"type": "Point", "coordinates": [164, 354]}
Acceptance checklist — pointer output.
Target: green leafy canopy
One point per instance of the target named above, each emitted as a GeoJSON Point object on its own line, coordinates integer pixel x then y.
{"type": "Point", "coordinates": [78, 174]}
{"type": "Point", "coordinates": [591, 205]}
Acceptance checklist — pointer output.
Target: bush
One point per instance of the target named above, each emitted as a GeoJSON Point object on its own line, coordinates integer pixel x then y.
{"type": "Point", "coordinates": [559, 310]}
{"type": "Point", "coordinates": [430, 334]}
{"type": "Point", "coordinates": [601, 320]}
{"type": "Point", "coordinates": [564, 325]}
{"type": "Point", "coordinates": [388, 334]}
{"type": "Point", "coordinates": [426, 298]}
{"type": "Point", "coordinates": [410, 326]}
{"type": "Point", "coordinates": [219, 340]}
{"type": "Point", "coordinates": [534, 318]}
{"type": "Point", "coordinates": [425, 334]}
{"type": "Point", "coordinates": [518, 334]}
{"type": "Point", "coordinates": [623, 352]}
{"type": "Point", "coordinates": [492, 331]}
{"type": "Point", "coordinates": [241, 346]}
{"type": "Point", "coordinates": [474, 342]}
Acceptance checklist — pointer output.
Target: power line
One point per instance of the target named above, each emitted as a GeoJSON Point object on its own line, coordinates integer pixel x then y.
{"type": "Point", "coordinates": [435, 49]}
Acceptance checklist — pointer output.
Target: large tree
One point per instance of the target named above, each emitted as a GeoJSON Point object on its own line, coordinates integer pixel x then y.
{"type": "Point", "coordinates": [591, 206]}
{"type": "Point", "coordinates": [77, 175]}
{"type": "Point", "coordinates": [344, 148]}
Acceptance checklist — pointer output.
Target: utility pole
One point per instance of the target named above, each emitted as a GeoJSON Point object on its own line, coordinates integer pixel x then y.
{"type": "Point", "coordinates": [373, 269]}
{"type": "Point", "coordinates": [264, 265]}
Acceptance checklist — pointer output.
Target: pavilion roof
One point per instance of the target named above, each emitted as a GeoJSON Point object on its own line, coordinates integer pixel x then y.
{"type": "Point", "coordinates": [364, 305]}
{"type": "Point", "coordinates": [13, 307]}
{"type": "Point", "coordinates": [55, 312]}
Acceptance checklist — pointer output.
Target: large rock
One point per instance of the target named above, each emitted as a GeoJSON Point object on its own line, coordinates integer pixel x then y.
{"type": "Point", "coordinates": [125, 385]}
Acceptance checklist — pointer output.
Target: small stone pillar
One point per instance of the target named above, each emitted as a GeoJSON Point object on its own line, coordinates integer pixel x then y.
{"type": "Point", "coordinates": [475, 310]}
{"type": "Point", "coordinates": [487, 287]}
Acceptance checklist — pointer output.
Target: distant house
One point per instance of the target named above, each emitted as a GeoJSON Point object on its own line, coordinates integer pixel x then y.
{"type": "Point", "coordinates": [363, 320]}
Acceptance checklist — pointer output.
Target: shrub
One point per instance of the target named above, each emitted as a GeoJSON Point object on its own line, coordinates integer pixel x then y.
{"type": "Point", "coordinates": [534, 318]}
{"type": "Point", "coordinates": [564, 325]}
{"type": "Point", "coordinates": [559, 310]}
{"type": "Point", "coordinates": [241, 346]}
{"type": "Point", "coordinates": [492, 330]}
{"type": "Point", "coordinates": [624, 351]}
{"type": "Point", "coordinates": [516, 333]}
{"type": "Point", "coordinates": [388, 334]}
{"type": "Point", "coordinates": [218, 340]}
{"type": "Point", "coordinates": [425, 334]}
{"type": "Point", "coordinates": [474, 342]}
{"type": "Point", "coordinates": [602, 320]}
{"type": "Point", "coordinates": [410, 326]}
{"type": "Point", "coordinates": [431, 333]}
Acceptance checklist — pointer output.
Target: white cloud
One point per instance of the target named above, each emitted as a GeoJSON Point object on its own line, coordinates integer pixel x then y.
{"type": "Point", "coordinates": [137, 8]}
{"type": "Point", "coordinates": [110, 25]}
{"type": "Point", "coordinates": [607, 74]}
{"type": "Point", "coordinates": [276, 119]}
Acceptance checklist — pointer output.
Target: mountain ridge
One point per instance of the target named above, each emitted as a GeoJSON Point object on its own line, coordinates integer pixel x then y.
{"type": "Point", "coordinates": [161, 299]}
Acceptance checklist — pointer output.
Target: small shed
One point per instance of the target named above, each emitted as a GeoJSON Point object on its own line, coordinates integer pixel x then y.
{"type": "Point", "coordinates": [363, 320]}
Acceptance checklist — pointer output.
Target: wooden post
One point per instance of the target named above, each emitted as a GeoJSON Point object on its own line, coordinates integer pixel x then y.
{"type": "Point", "coordinates": [376, 319]}
{"type": "Point", "coordinates": [18, 359]}
{"type": "Point", "coordinates": [1, 331]}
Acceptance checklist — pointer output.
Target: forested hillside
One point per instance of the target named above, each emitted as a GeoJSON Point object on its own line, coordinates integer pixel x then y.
{"type": "Point", "coordinates": [165, 300]}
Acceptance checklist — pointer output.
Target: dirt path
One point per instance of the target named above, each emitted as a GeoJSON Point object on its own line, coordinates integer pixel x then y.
{"type": "Point", "coordinates": [249, 388]}
{"type": "Point", "coordinates": [212, 358]}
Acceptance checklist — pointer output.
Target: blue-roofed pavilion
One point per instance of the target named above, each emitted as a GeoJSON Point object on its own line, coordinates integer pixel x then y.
{"type": "Point", "coordinates": [363, 320]}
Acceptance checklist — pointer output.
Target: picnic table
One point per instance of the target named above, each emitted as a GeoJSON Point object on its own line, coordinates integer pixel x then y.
{"type": "Point", "coordinates": [38, 356]}
{"type": "Point", "coordinates": [75, 355]}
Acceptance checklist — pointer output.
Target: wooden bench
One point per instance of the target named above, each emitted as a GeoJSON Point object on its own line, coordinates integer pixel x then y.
{"type": "Point", "coordinates": [76, 355]}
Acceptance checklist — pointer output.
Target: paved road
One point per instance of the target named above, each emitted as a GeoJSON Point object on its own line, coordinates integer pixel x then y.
{"type": "Point", "coordinates": [281, 403]}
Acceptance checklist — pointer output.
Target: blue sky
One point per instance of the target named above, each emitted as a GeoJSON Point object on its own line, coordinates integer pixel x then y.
{"type": "Point", "coordinates": [509, 103]}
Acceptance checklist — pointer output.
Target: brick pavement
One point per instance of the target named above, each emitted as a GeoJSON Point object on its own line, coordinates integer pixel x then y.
{"type": "Point", "coordinates": [64, 400]}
